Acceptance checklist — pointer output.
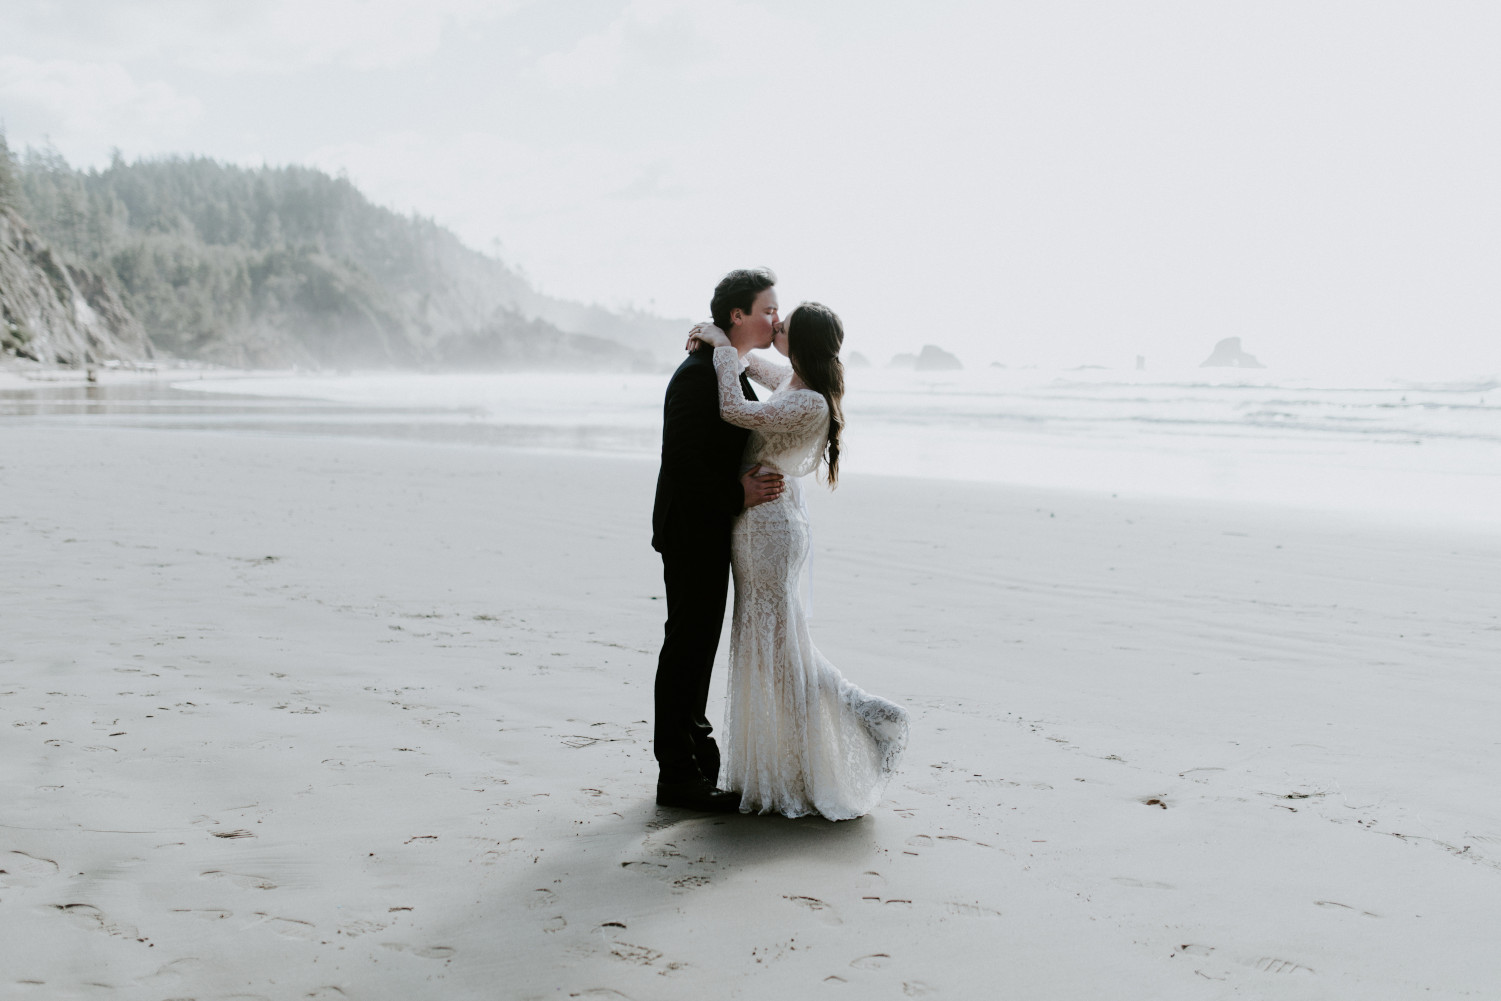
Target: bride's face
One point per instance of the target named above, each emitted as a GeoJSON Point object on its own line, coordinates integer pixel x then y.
{"type": "Point", "coordinates": [779, 339]}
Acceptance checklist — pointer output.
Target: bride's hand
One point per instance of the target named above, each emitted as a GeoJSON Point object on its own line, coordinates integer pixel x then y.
{"type": "Point", "coordinates": [706, 333]}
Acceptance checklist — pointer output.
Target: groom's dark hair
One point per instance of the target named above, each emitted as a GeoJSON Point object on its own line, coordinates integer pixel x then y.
{"type": "Point", "coordinates": [738, 290]}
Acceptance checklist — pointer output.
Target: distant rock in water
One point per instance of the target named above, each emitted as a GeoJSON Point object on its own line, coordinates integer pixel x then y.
{"type": "Point", "coordinates": [856, 360]}
{"type": "Point", "coordinates": [904, 360]}
{"type": "Point", "coordinates": [935, 359]}
{"type": "Point", "coordinates": [55, 312]}
{"type": "Point", "coordinates": [1228, 354]}
{"type": "Point", "coordinates": [998, 364]}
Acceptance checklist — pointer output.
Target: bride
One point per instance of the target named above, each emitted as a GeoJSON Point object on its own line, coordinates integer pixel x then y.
{"type": "Point", "coordinates": [799, 738]}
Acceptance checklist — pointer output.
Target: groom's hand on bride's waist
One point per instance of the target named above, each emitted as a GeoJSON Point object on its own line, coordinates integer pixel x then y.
{"type": "Point", "coordinates": [760, 485]}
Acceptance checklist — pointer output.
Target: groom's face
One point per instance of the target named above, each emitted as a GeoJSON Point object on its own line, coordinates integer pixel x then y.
{"type": "Point", "coordinates": [759, 326]}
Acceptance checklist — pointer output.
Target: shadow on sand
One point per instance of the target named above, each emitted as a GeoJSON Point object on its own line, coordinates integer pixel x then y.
{"type": "Point", "coordinates": [649, 857]}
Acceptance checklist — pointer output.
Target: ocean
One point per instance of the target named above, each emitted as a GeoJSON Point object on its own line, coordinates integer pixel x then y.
{"type": "Point", "coordinates": [1424, 450]}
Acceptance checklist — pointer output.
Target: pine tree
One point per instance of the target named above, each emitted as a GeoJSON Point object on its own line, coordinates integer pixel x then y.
{"type": "Point", "coordinates": [8, 169]}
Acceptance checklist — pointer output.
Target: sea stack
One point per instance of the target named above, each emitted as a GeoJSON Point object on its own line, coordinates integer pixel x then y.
{"type": "Point", "coordinates": [1228, 354]}
{"type": "Point", "coordinates": [935, 359]}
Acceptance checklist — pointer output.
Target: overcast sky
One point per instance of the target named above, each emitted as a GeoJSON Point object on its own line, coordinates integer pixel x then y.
{"type": "Point", "coordinates": [1053, 181]}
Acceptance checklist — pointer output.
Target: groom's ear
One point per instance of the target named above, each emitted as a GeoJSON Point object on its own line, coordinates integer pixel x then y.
{"type": "Point", "coordinates": [737, 315]}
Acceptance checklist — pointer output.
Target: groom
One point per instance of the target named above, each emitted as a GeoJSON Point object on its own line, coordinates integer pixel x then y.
{"type": "Point", "coordinates": [700, 491]}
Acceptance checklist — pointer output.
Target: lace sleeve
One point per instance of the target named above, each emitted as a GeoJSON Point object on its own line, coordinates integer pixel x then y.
{"type": "Point", "coordinates": [789, 412]}
{"type": "Point", "coordinates": [766, 372]}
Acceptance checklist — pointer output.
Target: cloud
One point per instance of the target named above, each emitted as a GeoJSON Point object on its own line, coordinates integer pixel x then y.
{"type": "Point", "coordinates": [256, 36]}
{"type": "Point", "coordinates": [648, 184]}
{"type": "Point", "coordinates": [357, 34]}
{"type": "Point", "coordinates": [566, 213]}
{"type": "Point", "coordinates": [484, 185]}
{"type": "Point", "coordinates": [690, 40]}
{"type": "Point", "coordinates": [84, 108]}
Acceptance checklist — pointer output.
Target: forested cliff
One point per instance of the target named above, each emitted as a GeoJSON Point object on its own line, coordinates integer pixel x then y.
{"type": "Point", "coordinates": [271, 267]}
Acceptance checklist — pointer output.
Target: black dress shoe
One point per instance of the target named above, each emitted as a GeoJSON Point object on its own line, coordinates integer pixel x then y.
{"type": "Point", "coordinates": [697, 795]}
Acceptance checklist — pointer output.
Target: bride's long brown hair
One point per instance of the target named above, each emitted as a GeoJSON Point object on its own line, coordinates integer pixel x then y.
{"type": "Point", "coordinates": [814, 337]}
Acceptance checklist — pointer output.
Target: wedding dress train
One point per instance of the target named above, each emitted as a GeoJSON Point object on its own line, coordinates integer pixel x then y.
{"type": "Point", "coordinates": [798, 737]}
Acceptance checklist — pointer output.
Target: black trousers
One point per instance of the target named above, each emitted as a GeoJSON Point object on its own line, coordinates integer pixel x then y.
{"type": "Point", "coordinates": [697, 574]}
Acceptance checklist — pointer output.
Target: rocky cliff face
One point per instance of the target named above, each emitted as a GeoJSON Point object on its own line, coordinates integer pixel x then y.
{"type": "Point", "coordinates": [55, 313]}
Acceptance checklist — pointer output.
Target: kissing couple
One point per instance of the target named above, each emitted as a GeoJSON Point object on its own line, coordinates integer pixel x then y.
{"type": "Point", "coordinates": [799, 738]}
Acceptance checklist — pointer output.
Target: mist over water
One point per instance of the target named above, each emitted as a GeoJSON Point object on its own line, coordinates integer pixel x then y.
{"type": "Point", "coordinates": [1415, 449]}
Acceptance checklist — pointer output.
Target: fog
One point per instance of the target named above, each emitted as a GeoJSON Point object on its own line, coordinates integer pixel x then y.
{"type": "Point", "coordinates": [1058, 184]}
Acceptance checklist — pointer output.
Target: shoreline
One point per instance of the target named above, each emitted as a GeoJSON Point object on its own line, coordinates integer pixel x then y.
{"type": "Point", "coordinates": [1419, 501]}
{"type": "Point", "coordinates": [293, 714]}
{"type": "Point", "coordinates": [40, 379]}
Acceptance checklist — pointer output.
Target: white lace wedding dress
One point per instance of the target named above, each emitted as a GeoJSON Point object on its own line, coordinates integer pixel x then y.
{"type": "Point", "coordinates": [798, 738]}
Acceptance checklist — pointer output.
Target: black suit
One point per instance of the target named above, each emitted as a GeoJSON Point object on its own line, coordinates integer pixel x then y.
{"type": "Point", "coordinates": [698, 497]}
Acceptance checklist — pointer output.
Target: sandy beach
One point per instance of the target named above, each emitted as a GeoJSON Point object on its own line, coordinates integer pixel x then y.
{"type": "Point", "coordinates": [293, 717]}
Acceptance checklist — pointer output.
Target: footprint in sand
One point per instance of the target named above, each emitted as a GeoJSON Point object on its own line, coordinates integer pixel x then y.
{"type": "Point", "coordinates": [87, 793]}
{"type": "Point", "coordinates": [916, 989]}
{"type": "Point", "coordinates": [245, 880]}
{"type": "Point", "coordinates": [288, 927]}
{"type": "Point", "coordinates": [640, 955]}
{"type": "Point", "coordinates": [555, 923]}
{"type": "Point", "coordinates": [608, 931]}
{"type": "Point", "coordinates": [90, 917]}
{"type": "Point", "coordinates": [541, 897]}
{"type": "Point", "coordinates": [21, 869]}
{"type": "Point", "coordinates": [1007, 784]}
{"type": "Point", "coordinates": [174, 971]}
{"type": "Point", "coordinates": [1270, 964]}
{"type": "Point", "coordinates": [362, 926]}
{"type": "Point", "coordinates": [425, 951]}
{"type": "Point", "coordinates": [970, 910]}
{"type": "Point", "coordinates": [874, 961]}
{"type": "Point", "coordinates": [1347, 907]}
{"type": "Point", "coordinates": [205, 913]}
{"type": "Point", "coordinates": [1142, 884]}
{"type": "Point", "coordinates": [824, 912]}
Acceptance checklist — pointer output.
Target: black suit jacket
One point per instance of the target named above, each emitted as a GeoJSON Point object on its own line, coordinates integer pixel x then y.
{"type": "Point", "coordinates": [698, 488]}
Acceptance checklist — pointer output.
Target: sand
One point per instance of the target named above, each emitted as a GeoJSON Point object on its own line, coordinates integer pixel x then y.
{"type": "Point", "coordinates": [289, 717]}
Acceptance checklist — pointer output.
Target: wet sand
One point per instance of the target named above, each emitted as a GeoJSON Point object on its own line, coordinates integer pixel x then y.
{"type": "Point", "coordinates": [297, 717]}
